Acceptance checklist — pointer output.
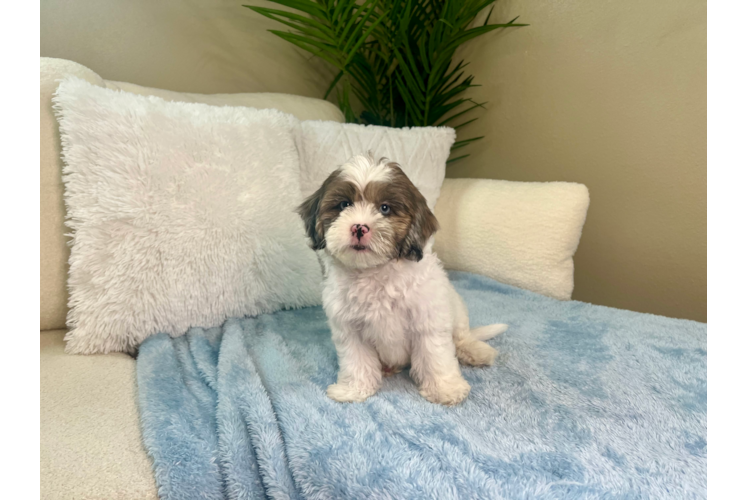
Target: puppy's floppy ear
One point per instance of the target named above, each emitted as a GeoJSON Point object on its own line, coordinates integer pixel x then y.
{"type": "Point", "coordinates": [309, 212]}
{"type": "Point", "coordinates": [423, 224]}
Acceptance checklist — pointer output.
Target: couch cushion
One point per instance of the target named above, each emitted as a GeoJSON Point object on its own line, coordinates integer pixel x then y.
{"type": "Point", "coordinates": [90, 431]}
{"type": "Point", "coordinates": [520, 233]}
{"type": "Point", "coordinates": [54, 250]}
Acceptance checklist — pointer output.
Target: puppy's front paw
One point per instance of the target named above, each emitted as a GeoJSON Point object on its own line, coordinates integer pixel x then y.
{"type": "Point", "coordinates": [446, 392]}
{"type": "Point", "coordinates": [345, 393]}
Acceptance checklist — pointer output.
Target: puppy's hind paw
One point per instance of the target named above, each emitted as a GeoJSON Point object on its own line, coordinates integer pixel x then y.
{"type": "Point", "coordinates": [345, 393]}
{"type": "Point", "coordinates": [475, 353]}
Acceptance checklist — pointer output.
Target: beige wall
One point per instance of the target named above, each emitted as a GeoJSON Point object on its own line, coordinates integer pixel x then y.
{"type": "Point", "coordinates": [613, 95]}
{"type": "Point", "coordinates": [205, 46]}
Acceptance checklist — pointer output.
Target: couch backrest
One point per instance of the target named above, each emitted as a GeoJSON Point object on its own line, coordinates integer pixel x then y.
{"type": "Point", "coordinates": [54, 249]}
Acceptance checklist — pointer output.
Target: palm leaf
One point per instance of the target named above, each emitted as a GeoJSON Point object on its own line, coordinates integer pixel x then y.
{"type": "Point", "coordinates": [447, 120]}
{"type": "Point", "coordinates": [292, 17]}
{"type": "Point", "coordinates": [465, 142]}
{"type": "Point", "coordinates": [452, 160]}
{"type": "Point", "coordinates": [334, 83]}
{"type": "Point", "coordinates": [394, 58]}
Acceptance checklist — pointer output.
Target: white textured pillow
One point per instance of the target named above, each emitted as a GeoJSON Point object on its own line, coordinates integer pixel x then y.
{"type": "Point", "coordinates": [520, 233]}
{"type": "Point", "coordinates": [182, 215]}
{"type": "Point", "coordinates": [422, 152]}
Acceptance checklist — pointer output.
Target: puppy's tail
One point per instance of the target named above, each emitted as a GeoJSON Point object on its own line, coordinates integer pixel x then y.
{"type": "Point", "coordinates": [488, 331]}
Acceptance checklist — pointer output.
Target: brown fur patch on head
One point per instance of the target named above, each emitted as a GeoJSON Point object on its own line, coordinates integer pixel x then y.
{"type": "Point", "coordinates": [410, 218]}
{"type": "Point", "coordinates": [323, 207]}
{"type": "Point", "coordinates": [406, 228]}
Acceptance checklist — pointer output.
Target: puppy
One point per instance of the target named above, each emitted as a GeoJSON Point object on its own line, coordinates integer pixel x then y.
{"type": "Point", "coordinates": [387, 298]}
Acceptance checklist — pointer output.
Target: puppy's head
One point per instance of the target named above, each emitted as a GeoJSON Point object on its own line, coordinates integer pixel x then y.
{"type": "Point", "coordinates": [368, 212]}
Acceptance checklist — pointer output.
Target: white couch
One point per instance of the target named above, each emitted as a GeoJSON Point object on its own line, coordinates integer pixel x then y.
{"type": "Point", "coordinates": [90, 435]}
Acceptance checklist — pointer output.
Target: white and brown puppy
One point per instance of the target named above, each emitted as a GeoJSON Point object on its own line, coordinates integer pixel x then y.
{"type": "Point", "coordinates": [387, 298]}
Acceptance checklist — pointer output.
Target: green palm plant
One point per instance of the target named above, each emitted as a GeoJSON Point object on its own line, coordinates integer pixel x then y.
{"type": "Point", "coordinates": [394, 56]}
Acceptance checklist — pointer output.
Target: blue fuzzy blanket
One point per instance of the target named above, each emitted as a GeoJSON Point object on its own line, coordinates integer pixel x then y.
{"type": "Point", "coordinates": [583, 402]}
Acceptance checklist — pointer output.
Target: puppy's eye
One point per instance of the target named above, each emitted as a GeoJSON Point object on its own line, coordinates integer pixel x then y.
{"type": "Point", "coordinates": [344, 204]}
{"type": "Point", "coordinates": [385, 209]}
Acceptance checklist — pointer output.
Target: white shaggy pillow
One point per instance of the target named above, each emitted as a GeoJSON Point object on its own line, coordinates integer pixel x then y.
{"type": "Point", "coordinates": [520, 233]}
{"type": "Point", "coordinates": [421, 151]}
{"type": "Point", "coordinates": [182, 215]}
